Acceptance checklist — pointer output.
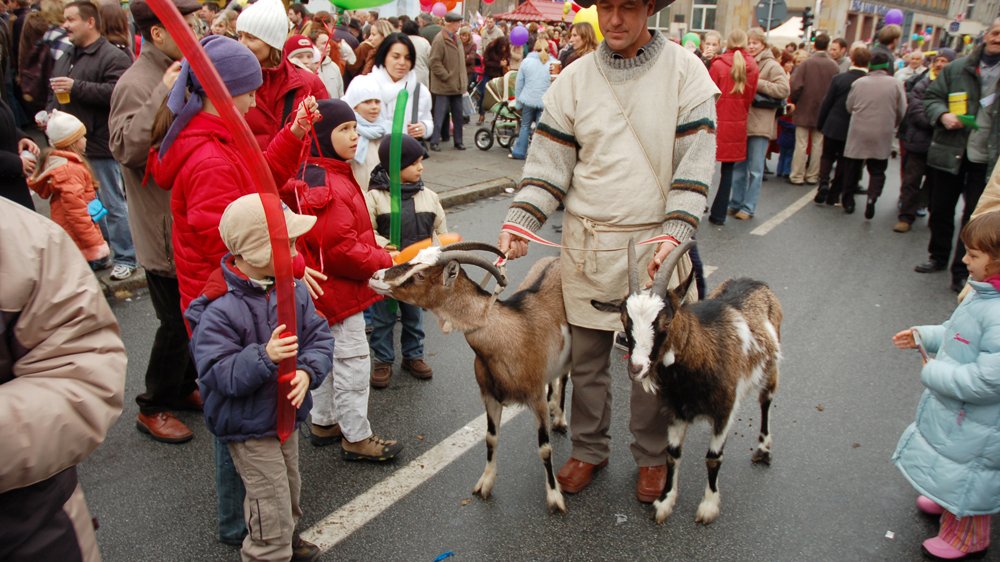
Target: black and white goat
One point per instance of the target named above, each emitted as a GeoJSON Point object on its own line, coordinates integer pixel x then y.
{"type": "Point", "coordinates": [521, 343]}
{"type": "Point", "coordinates": [702, 359]}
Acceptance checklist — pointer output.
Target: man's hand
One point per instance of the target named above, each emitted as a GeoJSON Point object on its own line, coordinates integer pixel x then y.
{"type": "Point", "coordinates": [951, 122]}
{"type": "Point", "coordinates": [512, 246]}
{"type": "Point", "coordinates": [61, 84]}
{"type": "Point", "coordinates": [307, 114]}
{"type": "Point", "coordinates": [300, 385]}
{"type": "Point", "coordinates": [170, 76]}
{"type": "Point", "coordinates": [661, 254]}
{"type": "Point", "coordinates": [313, 279]}
{"type": "Point", "coordinates": [279, 348]}
{"type": "Point", "coordinates": [29, 145]}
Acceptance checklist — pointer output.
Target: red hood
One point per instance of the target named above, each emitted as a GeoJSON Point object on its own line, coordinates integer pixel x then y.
{"type": "Point", "coordinates": [202, 128]}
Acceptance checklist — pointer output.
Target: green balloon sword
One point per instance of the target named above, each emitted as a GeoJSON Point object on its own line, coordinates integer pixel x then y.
{"type": "Point", "coordinates": [395, 189]}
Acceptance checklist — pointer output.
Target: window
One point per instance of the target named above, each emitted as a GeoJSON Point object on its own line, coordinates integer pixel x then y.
{"type": "Point", "coordinates": [703, 15]}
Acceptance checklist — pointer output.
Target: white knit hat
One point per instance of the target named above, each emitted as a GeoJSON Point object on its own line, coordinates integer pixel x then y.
{"type": "Point", "coordinates": [64, 129]}
{"type": "Point", "coordinates": [266, 20]}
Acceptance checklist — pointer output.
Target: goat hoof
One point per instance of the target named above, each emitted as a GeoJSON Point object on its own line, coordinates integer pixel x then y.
{"type": "Point", "coordinates": [663, 510]}
{"type": "Point", "coordinates": [708, 512]}
{"type": "Point", "coordinates": [761, 456]}
{"type": "Point", "coordinates": [483, 489]}
{"type": "Point", "coordinates": [559, 427]}
{"type": "Point", "coordinates": [556, 501]}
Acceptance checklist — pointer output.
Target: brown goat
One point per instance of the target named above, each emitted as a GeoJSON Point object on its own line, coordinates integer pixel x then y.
{"type": "Point", "coordinates": [707, 357]}
{"type": "Point", "coordinates": [521, 344]}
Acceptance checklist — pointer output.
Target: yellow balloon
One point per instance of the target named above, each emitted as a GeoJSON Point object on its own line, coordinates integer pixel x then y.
{"type": "Point", "coordinates": [589, 15]}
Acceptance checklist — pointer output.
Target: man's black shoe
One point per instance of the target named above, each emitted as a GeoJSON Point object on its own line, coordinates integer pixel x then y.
{"type": "Point", "coordinates": [435, 147]}
{"type": "Point", "coordinates": [870, 210]}
{"type": "Point", "coordinates": [821, 195]}
{"type": "Point", "coordinates": [459, 147]}
{"type": "Point", "coordinates": [849, 207]}
{"type": "Point", "coordinates": [930, 266]}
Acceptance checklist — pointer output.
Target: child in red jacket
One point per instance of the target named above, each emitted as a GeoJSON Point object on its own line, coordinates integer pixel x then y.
{"type": "Point", "coordinates": [342, 246]}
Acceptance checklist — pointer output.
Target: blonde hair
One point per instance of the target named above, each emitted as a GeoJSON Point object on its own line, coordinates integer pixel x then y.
{"type": "Point", "coordinates": [759, 35]}
{"type": "Point", "coordinates": [714, 34]}
{"type": "Point", "coordinates": [542, 48]}
{"type": "Point", "coordinates": [737, 41]}
{"type": "Point", "coordinates": [383, 27]}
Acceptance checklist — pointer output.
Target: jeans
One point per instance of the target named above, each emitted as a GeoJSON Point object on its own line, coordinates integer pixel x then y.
{"type": "Point", "coordinates": [412, 338]}
{"type": "Point", "coordinates": [784, 162]}
{"type": "Point", "coordinates": [721, 202]}
{"type": "Point", "coordinates": [230, 492]}
{"type": "Point", "coordinates": [170, 374]}
{"type": "Point", "coordinates": [529, 116]}
{"type": "Point", "coordinates": [442, 105]}
{"type": "Point", "coordinates": [112, 196]}
{"type": "Point", "coordinates": [947, 189]}
{"type": "Point", "coordinates": [747, 176]}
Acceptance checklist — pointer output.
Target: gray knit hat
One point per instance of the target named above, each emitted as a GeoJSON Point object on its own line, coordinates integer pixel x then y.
{"type": "Point", "coordinates": [266, 20]}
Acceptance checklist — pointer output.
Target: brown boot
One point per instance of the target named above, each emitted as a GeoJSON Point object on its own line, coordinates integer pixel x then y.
{"type": "Point", "coordinates": [322, 435]}
{"type": "Point", "coordinates": [163, 427]}
{"type": "Point", "coordinates": [418, 368]}
{"type": "Point", "coordinates": [901, 226]}
{"type": "Point", "coordinates": [381, 373]}
{"type": "Point", "coordinates": [652, 480]}
{"type": "Point", "coordinates": [374, 449]}
{"type": "Point", "coordinates": [303, 551]}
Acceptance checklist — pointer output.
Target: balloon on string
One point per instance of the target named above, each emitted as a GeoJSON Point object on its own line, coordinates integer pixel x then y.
{"type": "Point", "coordinates": [567, 6]}
{"type": "Point", "coordinates": [488, 1]}
{"type": "Point", "coordinates": [439, 9]}
{"type": "Point", "coordinates": [929, 30]}
{"type": "Point", "coordinates": [915, 37]}
{"type": "Point", "coordinates": [589, 15]}
{"type": "Point", "coordinates": [519, 36]}
{"type": "Point", "coordinates": [358, 4]}
{"type": "Point", "coordinates": [450, 4]}
{"type": "Point", "coordinates": [894, 17]}
{"type": "Point", "coordinates": [425, 5]}
{"type": "Point", "coordinates": [967, 39]}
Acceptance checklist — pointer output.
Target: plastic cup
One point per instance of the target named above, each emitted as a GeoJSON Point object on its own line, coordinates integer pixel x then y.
{"type": "Point", "coordinates": [958, 103]}
{"type": "Point", "coordinates": [62, 98]}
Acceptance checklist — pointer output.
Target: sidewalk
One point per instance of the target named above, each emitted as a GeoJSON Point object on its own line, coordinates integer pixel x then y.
{"type": "Point", "coordinates": [458, 177]}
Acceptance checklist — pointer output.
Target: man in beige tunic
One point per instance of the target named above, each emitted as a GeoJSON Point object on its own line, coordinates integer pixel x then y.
{"type": "Point", "coordinates": [627, 144]}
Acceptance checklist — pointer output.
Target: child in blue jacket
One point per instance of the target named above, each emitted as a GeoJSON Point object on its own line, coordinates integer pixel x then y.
{"type": "Point", "coordinates": [951, 453]}
{"type": "Point", "coordinates": [237, 345]}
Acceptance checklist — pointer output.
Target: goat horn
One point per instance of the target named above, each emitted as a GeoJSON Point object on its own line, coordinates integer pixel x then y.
{"type": "Point", "coordinates": [435, 239]}
{"type": "Point", "coordinates": [633, 273]}
{"type": "Point", "coordinates": [472, 246]}
{"type": "Point", "coordinates": [473, 259]}
{"type": "Point", "coordinates": [662, 278]}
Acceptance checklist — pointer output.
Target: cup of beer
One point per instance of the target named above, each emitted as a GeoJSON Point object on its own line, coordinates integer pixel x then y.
{"type": "Point", "coordinates": [958, 103]}
{"type": "Point", "coordinates": [62, 97]}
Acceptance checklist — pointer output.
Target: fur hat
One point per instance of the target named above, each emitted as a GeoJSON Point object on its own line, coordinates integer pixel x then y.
{"type": "Point", "coordinates": [266, 20]}
{"type": "Point", "coordinates": [244, 228]}
{"type": "Point", "coordinates": [64, 129]}
{"type": "Point", "coordinates": [410, 151]}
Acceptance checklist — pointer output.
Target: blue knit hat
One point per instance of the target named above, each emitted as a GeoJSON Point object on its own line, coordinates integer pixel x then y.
{"type": "Point", "coordinates": [237, 66]}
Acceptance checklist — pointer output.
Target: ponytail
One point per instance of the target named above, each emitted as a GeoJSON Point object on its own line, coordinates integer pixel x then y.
{"type": "Point", "coordinates": [738, 73]}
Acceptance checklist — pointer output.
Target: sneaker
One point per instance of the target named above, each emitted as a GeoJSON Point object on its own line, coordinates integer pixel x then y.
{"type": "Point", "coordinates": [121, 272]}
{"type": "Point", "coordinates": [418, 368]}
{"type": "Point", "coordinates": [303, 551]}
{"type": "Point", "coordinates": [901, 226]}
{"type": "Point", "coordinates": [922, 212]}
{"type": "Point", "coordinates": [375, 449]}
{"type": "Point", "coordinates": [939, 549]}
{"type": "Point", "coordinates": [381, 373]}
{"type": "Point", "coordinates": [101, 264]}
{"type": "Point", "coordinates": [743, 216]}
{"type": "Point", "coordinates": [323, 435]}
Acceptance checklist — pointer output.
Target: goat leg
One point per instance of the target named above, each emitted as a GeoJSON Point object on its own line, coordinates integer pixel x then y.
{"type": "Point", "coordinates": [553, 495]}
{"type": "Point", "coordinates": [708, 509]}
{"type": "Point", "coordinates": [556, 396]}
{"type": "Point", "coordinates": [675, 439]}
{"type": "Point", "coordinates": [494, 409]}
{"type": "Point", "coordinates": [762, 454]}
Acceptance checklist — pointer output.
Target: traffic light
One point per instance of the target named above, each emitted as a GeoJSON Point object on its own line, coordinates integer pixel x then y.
{"type": "Point", "coordinates": [807, 18]}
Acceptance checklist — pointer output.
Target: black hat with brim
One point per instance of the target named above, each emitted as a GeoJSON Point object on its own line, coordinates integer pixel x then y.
{"type": "Point", "coordinates": [660, 4]}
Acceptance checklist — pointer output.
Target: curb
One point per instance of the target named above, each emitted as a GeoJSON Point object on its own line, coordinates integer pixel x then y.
{"type": "Point", "coordinates": [127, 288]}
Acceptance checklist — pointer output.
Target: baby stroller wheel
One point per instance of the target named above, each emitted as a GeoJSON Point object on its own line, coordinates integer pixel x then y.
{"type": "Point", "coordinates": [506, 140]}
{"type": "Point", "coordinates": [484, 139]}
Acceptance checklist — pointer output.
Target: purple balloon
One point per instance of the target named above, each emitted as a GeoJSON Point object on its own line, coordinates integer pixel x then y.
{"type": "Point", "coordinates": [894, 17]}
{"type": "Point", "coordinates": [519, 36]}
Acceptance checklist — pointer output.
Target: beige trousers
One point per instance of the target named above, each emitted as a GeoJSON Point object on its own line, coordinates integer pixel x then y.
{"type": "Point", "coordinates": [801, 173]}
{"type": "Point", "coordinates": [270, 473]}
{"type": "Point", "coordinates": [590, 417]}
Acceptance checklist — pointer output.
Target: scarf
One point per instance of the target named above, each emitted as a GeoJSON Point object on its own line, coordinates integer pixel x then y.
{"type": "Point", "coordinates": [369, 131]}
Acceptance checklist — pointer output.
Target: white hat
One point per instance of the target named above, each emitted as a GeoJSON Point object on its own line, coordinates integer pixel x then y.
{"type": "Point", "coordinates": [266, 20]}
{"type": "Point", "coordinates": [362, 88]}
{"type": "Point", "coordinates": [64, 129]}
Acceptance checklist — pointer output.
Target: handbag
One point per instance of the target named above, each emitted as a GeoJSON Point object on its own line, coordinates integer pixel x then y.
{"type": "Point", "coordinates": [763, 101]}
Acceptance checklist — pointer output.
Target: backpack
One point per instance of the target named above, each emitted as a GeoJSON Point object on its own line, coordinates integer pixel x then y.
{"type": "Point", "coordinates": [912, 81]}
{"type": "Point", "coordinates": [35, 72]}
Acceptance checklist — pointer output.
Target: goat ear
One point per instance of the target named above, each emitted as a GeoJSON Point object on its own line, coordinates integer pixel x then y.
{"type": "Point", "coordinates": [450, 273]}
{"type": "Point", "coordinates": [681, 290]}
{"type": "Point", "coordinates": [614, 307]}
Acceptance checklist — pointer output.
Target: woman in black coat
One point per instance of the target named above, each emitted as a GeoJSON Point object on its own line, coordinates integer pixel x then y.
{"type": "Point", "coordinates": [14, 168]}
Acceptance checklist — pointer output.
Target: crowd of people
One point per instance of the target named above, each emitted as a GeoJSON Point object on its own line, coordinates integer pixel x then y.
{"type": "Point", "coordinates": [142, 169]}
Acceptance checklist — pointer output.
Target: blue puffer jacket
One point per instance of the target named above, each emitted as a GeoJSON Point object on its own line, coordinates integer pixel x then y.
{"type": "Point", "coordinates": [533, 79]}
{"type": "Point", "coordinates": [951, 454]}
{"type": "Point", "coordinates": [231, 324]}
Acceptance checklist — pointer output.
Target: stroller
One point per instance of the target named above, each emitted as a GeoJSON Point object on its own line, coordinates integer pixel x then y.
{"type": "Point", "coordinates": [499, 98]}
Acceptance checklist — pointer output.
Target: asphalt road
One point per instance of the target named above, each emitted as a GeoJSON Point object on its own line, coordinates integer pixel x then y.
{"type": "Point", "coordinates": [846, 285]}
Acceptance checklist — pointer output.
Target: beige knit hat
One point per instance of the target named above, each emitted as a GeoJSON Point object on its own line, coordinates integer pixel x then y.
{"type": "Point", "coordinates": [244, 229]}
{"type": "Point", "coordinates": [266, 20]}
{"type": "Point", "coordinates": [64, 129]}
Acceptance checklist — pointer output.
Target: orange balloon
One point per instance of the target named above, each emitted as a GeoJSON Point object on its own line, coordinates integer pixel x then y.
{"type": "Point", "coordinates": [412, 250]}
{"type": "Point", "coordinates": [450, 4]}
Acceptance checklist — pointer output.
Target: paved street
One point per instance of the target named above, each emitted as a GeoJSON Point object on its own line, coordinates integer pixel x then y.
{"type": "Point", "coordinates": [846, 285]}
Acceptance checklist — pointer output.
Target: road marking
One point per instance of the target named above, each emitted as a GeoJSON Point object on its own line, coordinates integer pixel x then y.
{"type": "Point", "coordinates": [783, 215]}
{"type": "Point", "coordinates": [339, 525]}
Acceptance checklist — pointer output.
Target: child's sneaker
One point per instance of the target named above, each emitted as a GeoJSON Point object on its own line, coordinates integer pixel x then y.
{"type": "Point", "coordinates": [939, 549]}
{"type": "Point", "coordinates": [101, 264]}
{"type": "Point", "coordinates": [374, 449]}
{"type": "Point", "coordinates": [929, 506]}
{"type": "Point", "coordinates": [121, 272]}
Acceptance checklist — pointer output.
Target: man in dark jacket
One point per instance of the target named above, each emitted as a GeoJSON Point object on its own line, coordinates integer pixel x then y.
{"type": "Point", "coordinates": [964, 147]}
{"type": "Point", "coordinates": [81, 85]}
{"type": "Point", "coordinates": [810, 81]}
{"type": "Point", "coordinates": [834, 121]}
{"type": "Point", "coordinates": [915, 139]}
{"type": "Point", "coordinates": [448, 81]}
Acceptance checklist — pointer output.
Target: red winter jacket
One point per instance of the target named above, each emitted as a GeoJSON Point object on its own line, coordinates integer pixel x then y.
{"type": "Point", "coordinates": [342, 244]}
{"type": "Point", "coordinates": [205, 174]}
{"type": "Point", "coordinates": [265, 118]}
{"type": "Point", "coordinates": [732, 109]}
